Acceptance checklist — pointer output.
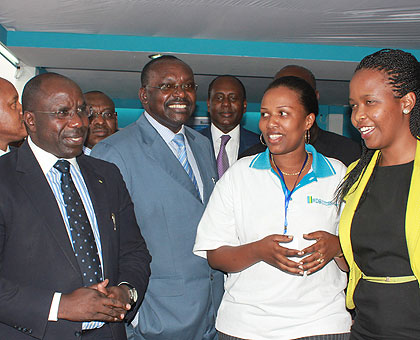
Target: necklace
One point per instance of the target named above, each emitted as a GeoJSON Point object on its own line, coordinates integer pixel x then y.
{"type": "Point", "coordinates": [287, 173]}
{"type": "Point", "coordinates": [288, 193]}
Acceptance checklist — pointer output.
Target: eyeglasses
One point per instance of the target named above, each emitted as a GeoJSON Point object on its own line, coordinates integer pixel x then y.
{"type": "Point", "coordinates": [82, 112]}
{"type": "Point", "coordinates": [107, 115]}
{"type": "Point", "coordinates": [166, 88]}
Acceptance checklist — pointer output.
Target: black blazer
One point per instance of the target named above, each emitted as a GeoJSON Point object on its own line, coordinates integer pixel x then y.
{"type": "Point", "coordinates": [36, 257]}
{"type": "Point", "coordinates": [246, 138]}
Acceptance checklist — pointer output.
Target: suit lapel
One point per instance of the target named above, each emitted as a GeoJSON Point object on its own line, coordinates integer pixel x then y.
{"type": "Point", "coordinates": [202, 164]}
{"type": "Point", "coordinates": [159, 151]}
{"type": "Point", "coordinates": [39, 193]}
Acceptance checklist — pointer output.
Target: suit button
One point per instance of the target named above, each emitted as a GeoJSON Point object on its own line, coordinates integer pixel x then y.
{"type": "Point", "coordinates": [78, 333]}
{"type": "Point", "coordinates": [211, 277]}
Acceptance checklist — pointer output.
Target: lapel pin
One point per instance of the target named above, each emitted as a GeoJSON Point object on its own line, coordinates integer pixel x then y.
{"type": "Point", "coordinates": [100, 181]}
{"type": "Point", "coordinates": [214, 180]}
{"type": "Point", "coordinates": [114, 221]}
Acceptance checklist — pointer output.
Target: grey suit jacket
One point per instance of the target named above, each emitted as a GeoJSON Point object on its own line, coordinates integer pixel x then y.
{"type": "Point", "coordinates": [184, 293]}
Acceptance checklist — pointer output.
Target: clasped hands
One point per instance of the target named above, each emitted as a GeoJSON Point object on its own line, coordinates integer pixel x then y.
{"type": "Point", "coordinates": [95, 303]}
{"type": "Point", "coordinates": [313, 258]}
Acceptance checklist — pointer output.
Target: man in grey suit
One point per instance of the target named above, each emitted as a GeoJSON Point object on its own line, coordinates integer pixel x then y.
{"type": "Point", "coordinates": [170, 173]}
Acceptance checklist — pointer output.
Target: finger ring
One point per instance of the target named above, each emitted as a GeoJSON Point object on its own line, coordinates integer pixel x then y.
{"type": "Point", "coordinates": [320, 254]}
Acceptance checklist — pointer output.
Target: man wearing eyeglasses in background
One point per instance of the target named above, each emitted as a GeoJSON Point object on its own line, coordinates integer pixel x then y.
{"type": "Point", "coordinates": [103, 118]}
{"type": "Point", "coordinates": [73, 263]}
{"type": "Point", "coordinates": [170, 173]}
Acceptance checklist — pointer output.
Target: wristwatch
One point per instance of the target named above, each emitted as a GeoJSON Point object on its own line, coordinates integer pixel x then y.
{"type": "Point", "coordinates": [132, 292]}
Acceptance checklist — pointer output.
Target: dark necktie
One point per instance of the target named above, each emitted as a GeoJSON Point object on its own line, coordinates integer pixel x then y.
{"type": "Point", "coordinates": [222, 160]}
{"type": "Point", "coordinates": [83, 240]}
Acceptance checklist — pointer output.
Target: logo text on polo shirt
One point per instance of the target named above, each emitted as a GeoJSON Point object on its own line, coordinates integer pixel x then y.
{"type": "Point", "coordinates": [314, 200]}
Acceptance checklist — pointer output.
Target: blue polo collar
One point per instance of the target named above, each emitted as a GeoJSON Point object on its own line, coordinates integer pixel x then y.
{"type": "Point", "coordinates": [321, 166]}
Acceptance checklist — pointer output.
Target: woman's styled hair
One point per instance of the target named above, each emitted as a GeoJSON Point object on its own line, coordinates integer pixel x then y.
{"type": "Point", "coordinates": [403, 72]}
{"type": "Point", "coordinates": [307, 95]}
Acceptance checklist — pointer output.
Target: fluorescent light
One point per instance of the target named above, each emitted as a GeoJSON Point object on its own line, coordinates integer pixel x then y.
{"type": "Point", "coordinates": [5, 52]}
{"type": "Point", "coordinates": [155, 56]}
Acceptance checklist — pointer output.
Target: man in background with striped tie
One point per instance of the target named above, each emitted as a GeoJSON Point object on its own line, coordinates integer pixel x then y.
{"type": "Point", "coordinates": [170, 173]}
{"type": "Point", "coordinates": [73, 263]}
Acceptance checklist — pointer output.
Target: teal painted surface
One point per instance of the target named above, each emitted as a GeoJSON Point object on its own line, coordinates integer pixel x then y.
{"type": "Point", "coordinates": [3, 35]}
{"type": "Point", "coordinates": [191, 46]}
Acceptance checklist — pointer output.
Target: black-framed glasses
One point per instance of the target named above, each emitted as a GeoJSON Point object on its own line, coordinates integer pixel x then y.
{"type": "Point", "coordinates": [82, 112]}
{"type": "Point", "coordinates": [107, 115]}
{"type": "Point", "coordinates": [190, 87]}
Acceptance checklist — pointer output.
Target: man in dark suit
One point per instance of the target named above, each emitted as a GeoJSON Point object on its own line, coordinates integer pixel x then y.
{"type": "Point", "coordinates": [170, 173]}
{"type": "Point", "coordinates": [226, 104]}
{"type": "Point", "coordinates": [11, 124]}
{"type": "Point", "coordinates": [328, 143]}
{"type": "Point", "coordinates": [73, 262]}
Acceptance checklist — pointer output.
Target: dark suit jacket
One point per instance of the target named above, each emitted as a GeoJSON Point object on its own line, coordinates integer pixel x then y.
{"type": "Point", "coordinates": [36, 255]}
{"type": "Point", "coordinates": [246, 138]}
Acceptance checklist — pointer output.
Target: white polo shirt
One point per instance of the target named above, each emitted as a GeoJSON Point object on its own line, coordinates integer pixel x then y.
{"type": "Point", "coordinates": [262, 302]}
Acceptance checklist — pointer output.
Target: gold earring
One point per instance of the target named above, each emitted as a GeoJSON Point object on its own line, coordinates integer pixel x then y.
{"type": "Point", "coordinates": [307, 136]}
{"type": "Point", "coordinates": [262, 140]}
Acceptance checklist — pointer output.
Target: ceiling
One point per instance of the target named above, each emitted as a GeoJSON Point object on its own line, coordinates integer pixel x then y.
{"type": "Point", "coordinates": [103, 44]}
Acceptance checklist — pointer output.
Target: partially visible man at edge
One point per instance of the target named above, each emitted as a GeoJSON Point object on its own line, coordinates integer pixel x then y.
{"type": "Point", "coordinates": [102, 120]}
{"type": "Point", "coordinates": [327, 143]}
{"type": "Point", "coordinates": [12, 128]}
{"type": "Point", "coordinates": [73, 262]}
{"type": "Point", "coordinates": [226, 104]}
{"type": "Point", "coordinates": [170, 173]}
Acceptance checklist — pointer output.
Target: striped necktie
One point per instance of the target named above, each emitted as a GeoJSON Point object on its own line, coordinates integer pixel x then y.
{"type": "Point", "coordinates": [182, 157]}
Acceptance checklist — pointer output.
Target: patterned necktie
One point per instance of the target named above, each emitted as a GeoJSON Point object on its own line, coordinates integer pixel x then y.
{"type": "Point", "coordinates": [182, 157]}
{"type": "Point", "coordinates": [83, 240]}
{"type": "Point", "coordinates": [222, 160]}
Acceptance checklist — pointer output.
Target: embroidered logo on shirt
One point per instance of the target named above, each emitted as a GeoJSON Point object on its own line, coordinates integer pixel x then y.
{"type": "Point", "coordinates": [315, 200]}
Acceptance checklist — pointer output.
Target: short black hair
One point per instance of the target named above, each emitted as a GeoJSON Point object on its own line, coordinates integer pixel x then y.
{"type": "Point", "coordinates": [307, 95]}
{"type": "Point", "coordinates": [303, 69]}
{"type": "Point", "coordinates": [149, 66]}
{"type": "Point", "coordinates": [33, 87]}
{"type": "Point", "coordinates": [227, 76]}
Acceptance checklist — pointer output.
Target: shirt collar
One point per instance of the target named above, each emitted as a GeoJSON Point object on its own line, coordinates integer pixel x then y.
{"type": "Point", "coordinates": [47, 160]}
{"type": "Point", "coordinates": [4, 152]}
{"type": "Point", "coordinates": [163, 131]}
{"type": "Point", "coordinates": [321, 166]}
{"type": "Point", "coordinates": [217, 133]}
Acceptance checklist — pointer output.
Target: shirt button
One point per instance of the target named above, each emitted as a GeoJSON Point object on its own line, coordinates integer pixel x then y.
{"type": "Point", "coordinates": [211, 277]}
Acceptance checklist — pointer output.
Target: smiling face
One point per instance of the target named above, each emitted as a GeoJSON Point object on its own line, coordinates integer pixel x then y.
{"type": "Point", "coordinates": [376, 112]}
{"type": "Point", "coordinates": [226, 103]}
{"type": "Point", "coordinates": [63, 138]}
{"type": "Point", "coordinates": [284, 121]}
{"type": "Point", "coordinates": [170, 108]}
{"type": "Point", "coordinates": [100, 127]}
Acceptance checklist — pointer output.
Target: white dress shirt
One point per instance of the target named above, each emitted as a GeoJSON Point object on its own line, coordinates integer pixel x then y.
{"type": "Point", "coordinates": [232, 146]}
{"type": "Point", "coordinates": [2, 152]}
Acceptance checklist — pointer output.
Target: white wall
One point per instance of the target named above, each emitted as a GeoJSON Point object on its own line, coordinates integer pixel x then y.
{"type": "Point", "coordinates": [17, 78]}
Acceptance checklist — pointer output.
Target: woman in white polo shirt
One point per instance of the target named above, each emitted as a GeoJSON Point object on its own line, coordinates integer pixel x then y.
{"type": "Point", "coordinates": [271, 226]}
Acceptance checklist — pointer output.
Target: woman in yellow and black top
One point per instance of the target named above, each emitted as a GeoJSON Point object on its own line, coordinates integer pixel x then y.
{"type": "Point", "coordinates": [380, 225]}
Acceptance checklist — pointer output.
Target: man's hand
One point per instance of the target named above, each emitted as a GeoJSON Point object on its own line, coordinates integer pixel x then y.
{"type": "Point", "coordinates": [94, 303]}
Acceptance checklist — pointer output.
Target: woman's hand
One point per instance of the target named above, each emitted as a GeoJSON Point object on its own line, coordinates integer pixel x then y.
{"type": "Point", "coordinates": [270, 251]}
{"type": "Point", "coordinates": [326, 247]}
